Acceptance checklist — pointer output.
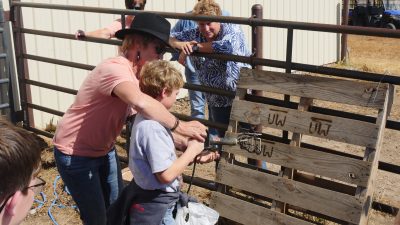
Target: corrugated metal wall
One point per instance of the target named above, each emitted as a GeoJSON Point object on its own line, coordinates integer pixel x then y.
{"type": "Point", "coordinates": [309, 47]}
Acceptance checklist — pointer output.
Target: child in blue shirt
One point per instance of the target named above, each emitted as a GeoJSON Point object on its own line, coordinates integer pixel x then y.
{"type": "Point", "coordinates": [152, 157]}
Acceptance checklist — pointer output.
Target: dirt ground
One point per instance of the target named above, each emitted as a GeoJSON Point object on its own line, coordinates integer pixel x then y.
{"type": "Point", "coordinates": [365, 53]}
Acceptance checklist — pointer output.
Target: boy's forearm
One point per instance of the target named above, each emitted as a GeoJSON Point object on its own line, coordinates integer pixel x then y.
{"type": "Point", "coordinates": [177, 168]}
{"type": "Point", "coordinates": [180, 141]}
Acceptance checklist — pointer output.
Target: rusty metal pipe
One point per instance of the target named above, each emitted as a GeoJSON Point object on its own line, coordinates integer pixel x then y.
{"type": "Point", "coordinates": [345, 21]}
{"type": "Point", "coordinates": [379, 32]}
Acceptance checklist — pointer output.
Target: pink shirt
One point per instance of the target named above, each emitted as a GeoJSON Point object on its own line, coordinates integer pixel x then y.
{"type": "Point", "coordinates": [92, 123]}
{"type": "Point", "coordinates": [117, 25]}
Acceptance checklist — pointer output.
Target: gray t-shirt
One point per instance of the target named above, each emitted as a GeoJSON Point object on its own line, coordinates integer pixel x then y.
{"type": "Point", "coordinates": [152, 150]}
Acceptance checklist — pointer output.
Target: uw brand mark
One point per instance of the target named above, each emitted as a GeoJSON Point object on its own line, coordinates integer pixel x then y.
{"type": "Point", "coordinates": [277, 117]}
{"type": "Point", "coordinates": [254, 144]}
{"type": "Point", "coordinates": [320, 126]}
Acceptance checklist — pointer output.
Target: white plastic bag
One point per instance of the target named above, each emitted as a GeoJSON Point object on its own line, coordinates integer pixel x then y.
{"type": "Point", "coordinates": [196, 214]}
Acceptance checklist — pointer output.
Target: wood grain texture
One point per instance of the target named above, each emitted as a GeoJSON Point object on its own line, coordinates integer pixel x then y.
{"type": "Point", "coordinates": [334, 204]}
{"type": "Point", "coordinates": [367, 94]}
{"type": "Point", "coordinates": [372, 156]}
{"type": "Point", "coordinates": [250, 214]}
{"type": "Point", "coordinates": [287, 172]}
{"type": "Point", "coordinates": [338, 167]}
{"type": "Point", "coordinates": [308, 123]}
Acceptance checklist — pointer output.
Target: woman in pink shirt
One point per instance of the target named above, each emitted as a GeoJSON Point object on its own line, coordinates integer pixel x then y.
{"type": "Point", "coordinates": [84, 139]}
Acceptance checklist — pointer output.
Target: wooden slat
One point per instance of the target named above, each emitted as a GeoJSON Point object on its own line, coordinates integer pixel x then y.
{"type": "Point", "coordinates": [366, 94]}
{"type": "Point", "coordinates": [286, 172]}
{"type": "Point", "coordinates": [250, 214]}
{"type": "Point", "coordinates": [342, 168]}
{"type": "Point", "coordinates": [324, 183]}
{"type": "Point", "coordinates": [334, 204]}
{"type": "Point", "coordinates": [372, 156]}
{"type": "Point", "coordinates": [308, 123]}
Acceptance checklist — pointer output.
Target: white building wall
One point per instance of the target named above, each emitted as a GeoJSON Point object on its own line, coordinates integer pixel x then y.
{"type": "Point", "coordinates": [309, 47]}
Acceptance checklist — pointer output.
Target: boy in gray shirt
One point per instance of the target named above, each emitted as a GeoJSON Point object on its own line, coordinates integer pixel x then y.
{"type": "Point", "coordinates": [152, 157]}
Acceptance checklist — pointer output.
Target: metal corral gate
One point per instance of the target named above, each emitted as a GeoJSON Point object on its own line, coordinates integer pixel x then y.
{"type": "Point", "coordinates": [316, 48]}
{"type": "Point", "coordinates": [256, 60]}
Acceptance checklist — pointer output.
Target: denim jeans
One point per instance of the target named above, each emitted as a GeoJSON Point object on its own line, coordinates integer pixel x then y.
{"type": "Point", "coordinates": [94, 183]}
{"type": "Point", "coordinates": [197, 98]}
{"type": "Point", "coordinates": [219, 115]}
{"type": "Point", "coordinates": [168, 218]}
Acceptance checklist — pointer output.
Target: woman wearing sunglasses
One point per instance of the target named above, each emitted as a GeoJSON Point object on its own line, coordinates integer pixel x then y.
{"type": "Point", "coordinates": [19, 166]}
{"type": "Point", "coordinates": [84, 140]}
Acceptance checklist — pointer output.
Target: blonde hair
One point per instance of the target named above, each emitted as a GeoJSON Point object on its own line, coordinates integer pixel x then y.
{"type": "Point", "coordinates": [207, 7]}
{"type": "Point", "coordinates": [157, 75]}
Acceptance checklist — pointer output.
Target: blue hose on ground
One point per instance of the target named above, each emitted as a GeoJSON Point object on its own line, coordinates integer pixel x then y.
{"type": "Point", "coordinates": [39, 202]}
{"type": "Point", "coordinates": [54, 202]}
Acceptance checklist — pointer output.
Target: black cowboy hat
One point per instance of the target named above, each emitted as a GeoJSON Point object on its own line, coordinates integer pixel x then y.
{"type": "Point", "coordinates": [148, 23]}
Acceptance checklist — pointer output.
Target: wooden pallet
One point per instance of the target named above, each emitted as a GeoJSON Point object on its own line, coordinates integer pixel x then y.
{"type": "Point", "coordinates": [325, 184]}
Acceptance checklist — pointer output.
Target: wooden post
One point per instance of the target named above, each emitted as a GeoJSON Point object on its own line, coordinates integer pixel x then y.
{"type": "Point", "coordinates": [372, 155]}
{"type": "Point", "coordinates": [257, 49]}
{"type": "Point", "coordinates": [304, 105]}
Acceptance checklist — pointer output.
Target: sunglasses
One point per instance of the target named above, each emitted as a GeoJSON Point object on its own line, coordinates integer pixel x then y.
{"type": "Point", "coordinates": [36, 188]}
{"type": "Point", "coordinates": [137, 6]}
{"type": "Point", "coordinates": [161, 49]}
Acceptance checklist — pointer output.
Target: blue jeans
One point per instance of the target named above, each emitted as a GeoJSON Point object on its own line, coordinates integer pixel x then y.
{"type": "Point", "coordinates": [197, 98]}
{"type": "Point", "coordinates": [94, 183]}
{"type": "Point", "coordinates": [219, 115]}
{"type": "Point", "coordinates": [168, 217]}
